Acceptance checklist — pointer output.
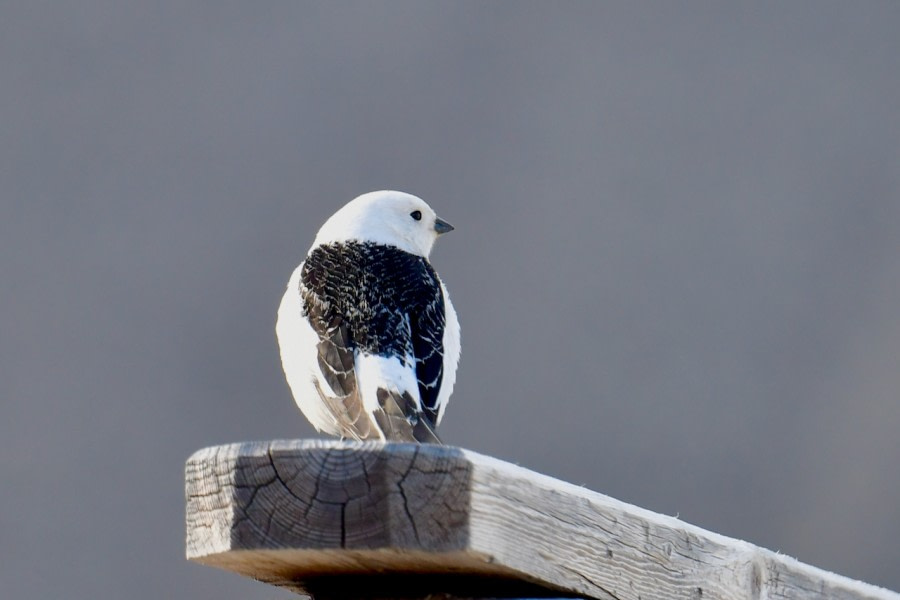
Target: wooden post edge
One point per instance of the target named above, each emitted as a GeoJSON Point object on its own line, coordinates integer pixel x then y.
{"type": "Point", "coordinates": [342, 519]}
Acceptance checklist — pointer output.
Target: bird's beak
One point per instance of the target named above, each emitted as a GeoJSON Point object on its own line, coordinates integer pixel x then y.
{"type": "Point", "coordinates": [442, 226]}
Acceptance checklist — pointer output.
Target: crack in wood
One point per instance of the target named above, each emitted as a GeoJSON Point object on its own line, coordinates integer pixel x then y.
{"type": "Point", "coordinates": [316, 486]}
{"type": "Point", "coordinates": [283, 483]}
{"type": "Point", "coordinates": [591, 582]}
{"type": "Point", "coordinates": [400, 483]}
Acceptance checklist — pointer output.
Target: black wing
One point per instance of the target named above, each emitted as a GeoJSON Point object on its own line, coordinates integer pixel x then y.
{"type": "Point", "coordinates": [428, 348]}
{"type": "Point", "coordinates": [364, 297]}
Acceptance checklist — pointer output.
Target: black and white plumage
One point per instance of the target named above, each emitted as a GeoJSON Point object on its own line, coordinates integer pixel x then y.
{"type": "Point", "coordinates": [369, 338]}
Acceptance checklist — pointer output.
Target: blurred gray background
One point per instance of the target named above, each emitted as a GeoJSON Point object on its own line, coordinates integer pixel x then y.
{"type": "Point", "coordinates": [676, 257]}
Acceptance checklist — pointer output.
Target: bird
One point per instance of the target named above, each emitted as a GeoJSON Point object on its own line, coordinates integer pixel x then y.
{"type": "Point", "coordinates": [368, 337]}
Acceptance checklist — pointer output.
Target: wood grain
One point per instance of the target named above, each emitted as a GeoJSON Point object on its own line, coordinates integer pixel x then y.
{"type": "Point", "coordinates": [342, 520]}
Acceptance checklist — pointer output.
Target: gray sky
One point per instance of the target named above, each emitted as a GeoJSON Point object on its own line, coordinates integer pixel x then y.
{"type": "Point", "coordinates": [675, 261]}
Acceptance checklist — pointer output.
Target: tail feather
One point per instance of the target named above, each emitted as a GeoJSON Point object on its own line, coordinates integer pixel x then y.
{"type": "Point", "coordinates": [399, 420]}
{"type": "Point", "coordinates": [350, 416]}
{"type": "Point", "coordinates": [336, 364]}
{"type": "Point", "coordinates": [396, 418]}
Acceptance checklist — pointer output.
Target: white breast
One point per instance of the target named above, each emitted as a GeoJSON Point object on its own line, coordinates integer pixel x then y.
{"type": "Point", "coordinates": [451, 353]}
{"type": "Point", "coordinates": [299, 358]}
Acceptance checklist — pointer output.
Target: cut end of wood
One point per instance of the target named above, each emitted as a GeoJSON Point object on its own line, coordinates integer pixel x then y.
{"type": "Point", "coordinates": [314, 495]}
{"type": "Point", "coordinates": [293, 512]}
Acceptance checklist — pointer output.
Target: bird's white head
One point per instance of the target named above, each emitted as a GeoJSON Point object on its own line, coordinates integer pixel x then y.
{"type": "Point", "coordinates": [385, 217]}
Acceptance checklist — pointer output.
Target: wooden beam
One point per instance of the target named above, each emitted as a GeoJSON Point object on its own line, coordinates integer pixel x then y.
{"type": "Point", "coordinates": [377, 520]}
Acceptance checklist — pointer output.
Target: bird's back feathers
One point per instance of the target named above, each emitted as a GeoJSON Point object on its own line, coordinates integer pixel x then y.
{"type": "Point", "coordinates": [370, 300]}
{"type": "Point", "coordinates": [369, 339]}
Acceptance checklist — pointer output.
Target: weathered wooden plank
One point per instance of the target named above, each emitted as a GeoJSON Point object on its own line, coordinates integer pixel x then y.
{"type": "Point", "coordinates": [402, 520]}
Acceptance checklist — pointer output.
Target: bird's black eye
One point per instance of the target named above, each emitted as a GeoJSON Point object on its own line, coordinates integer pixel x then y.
{"type": "Point", "coordinates": [416, 214]}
